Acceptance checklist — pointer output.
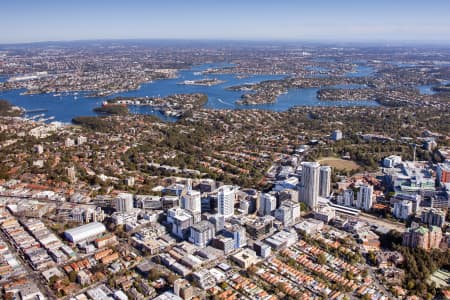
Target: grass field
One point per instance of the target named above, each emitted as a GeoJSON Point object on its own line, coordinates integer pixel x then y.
{"type": "Point", "coordinates": [339, 163]}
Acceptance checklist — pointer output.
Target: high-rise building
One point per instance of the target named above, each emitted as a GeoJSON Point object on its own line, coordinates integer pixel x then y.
{"type": "Point", "coordinates": [181, 220]}
{"type": "Point", "coordinates": [443, 172]}
{"type": "Point", "coordinates": [202, 233]}
{"type": "Point", "coordinates": [268, 203]}
{"type": "Point", "coordinates": [71, 174]}
{"type": "Point", "coordinates": [238, 234]}
{"type": "Point", "coordinates": [310, 183]}
{"type": "Point", "coordinates": [191, 200]}
{"type": "Point", "coordinates": [325, 181]}
{"type": "Point", "coordinates": [336, 135]}
{"type": "Point", "coordinates": [433, 216]}
{"type": "Point", "coordinates": [403, 209]}
{"type": "Point", "coordinates": [124, 202]}
{"type": "Point", "coordinates": [225, 200]}
{"type": "Point", "coordinates": [288, 213]}
{"type": "Point", "coordinates": [365, 197]}
{"type": "Point", "coordinates": [349, 197]}
{"type": "Point", "coordinates": [422, 237]}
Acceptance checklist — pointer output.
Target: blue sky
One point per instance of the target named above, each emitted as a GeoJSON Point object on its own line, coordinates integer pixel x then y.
{"type": "Point", "coordinates": [342, 20]}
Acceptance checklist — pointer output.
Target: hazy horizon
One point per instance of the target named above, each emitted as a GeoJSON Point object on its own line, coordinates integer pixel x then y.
{"type": "Point", "coordinates": [196, 42]}
{"type": "Point", "coordinates": [322, 21]}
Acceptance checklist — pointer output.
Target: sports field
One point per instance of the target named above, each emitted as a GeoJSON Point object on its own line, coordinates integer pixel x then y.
{"type": "Point", "coordinates": [339, 163]}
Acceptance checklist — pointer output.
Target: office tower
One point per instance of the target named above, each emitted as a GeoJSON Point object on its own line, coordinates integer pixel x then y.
{"type": "Point", "coordinates": [238, 234]}
{"type": "Point", "coordinates": [181, 221]}
{"type": "Point", "coordinates": [225, 200]}
{"type": "Point", "coordinates": [268, 203]}
{"type": "Point", "coordinates": [191, 201]}
{"type": "Point", "coordinates": [288, 213]}
{"type": "Point", "coordinates": [325, 181]}
{"type": "Point", "coordinates": [310, 183]}
{"type": "Point", "coordinates": [202, 233]}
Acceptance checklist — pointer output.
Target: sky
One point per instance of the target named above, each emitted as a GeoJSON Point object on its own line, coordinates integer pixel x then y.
{"type": "Point", "coordinates": [327, 20]}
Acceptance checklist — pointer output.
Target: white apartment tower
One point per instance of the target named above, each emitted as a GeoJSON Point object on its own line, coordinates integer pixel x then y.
{"type": "Point", "coordinates": [364, 198]}
{"type": "Point", "coordinates": [310, 183]}
{"type": "Point", "coordinates": [225, 200]}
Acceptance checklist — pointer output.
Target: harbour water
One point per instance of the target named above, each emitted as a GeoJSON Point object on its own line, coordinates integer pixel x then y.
{"type": "Point", "coordinates": [66, 106]}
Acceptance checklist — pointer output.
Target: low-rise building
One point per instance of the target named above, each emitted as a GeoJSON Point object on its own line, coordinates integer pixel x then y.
{"type": "Point", "coordinates": [88, 232]}
{"type": "Point", "coordinates": [245, 258]}
{"type": "Point", "coordinates": [310, 226]}
{"type": "Point", "coordinates": [204, 279]}
{"type": "Point", "coordinates": [325, 213]}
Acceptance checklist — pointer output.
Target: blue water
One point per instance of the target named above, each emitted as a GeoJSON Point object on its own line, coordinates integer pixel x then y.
{"type": "Point", "coordinates": [307, 97]}
{"type": "Point", "coordinates": [67, 106]}
{"type": "Point", "coordinates": [426, 89]}
{"type": "Point", "coordinates": [361, 71]}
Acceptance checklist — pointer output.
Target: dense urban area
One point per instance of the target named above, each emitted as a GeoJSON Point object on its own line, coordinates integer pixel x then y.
{"type": "Point", "coordinates": [312, 202]}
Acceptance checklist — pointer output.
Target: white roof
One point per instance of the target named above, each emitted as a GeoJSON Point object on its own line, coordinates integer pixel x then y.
{"type": "Point", "coordinates": [84, 232]}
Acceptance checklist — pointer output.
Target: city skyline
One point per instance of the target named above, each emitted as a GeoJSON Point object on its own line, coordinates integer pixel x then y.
{"type": "Point", "coordinates": [262, 20]}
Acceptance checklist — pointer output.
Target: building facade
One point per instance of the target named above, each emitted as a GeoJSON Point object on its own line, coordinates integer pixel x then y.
{"type": "Point", "coordinates": [124, 202]}
{"type": "Point", "coordinates": [202, 233]}
{"type": "Point", "coordinates": [268, 203]}
{"type": "Point", "coordinates": [364, 199]}
{"type": "Point", "coordinates": [225, 200]}
{"type": "Point", "coordinates": [422, 237]}
{"type": "Point", "coordinates": [310, 184]}
{"type": "Point", "coordinates": [325, 181]}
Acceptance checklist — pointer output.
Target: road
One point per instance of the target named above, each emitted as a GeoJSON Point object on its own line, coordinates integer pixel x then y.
{"type": "Point", "coordinates": [34, 276]}
{"type": "Point", "coordinates": [379, 286]}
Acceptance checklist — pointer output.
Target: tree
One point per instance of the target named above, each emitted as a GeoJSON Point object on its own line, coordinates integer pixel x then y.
{"type": "Point", "coordinates": [73, 276]}
{"type": "Point", "coordinates": [321, 259]}
{"type": "Point", "coordinates": [372, 258]}
{"type": "Point", "coordinates": [52, 280]}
